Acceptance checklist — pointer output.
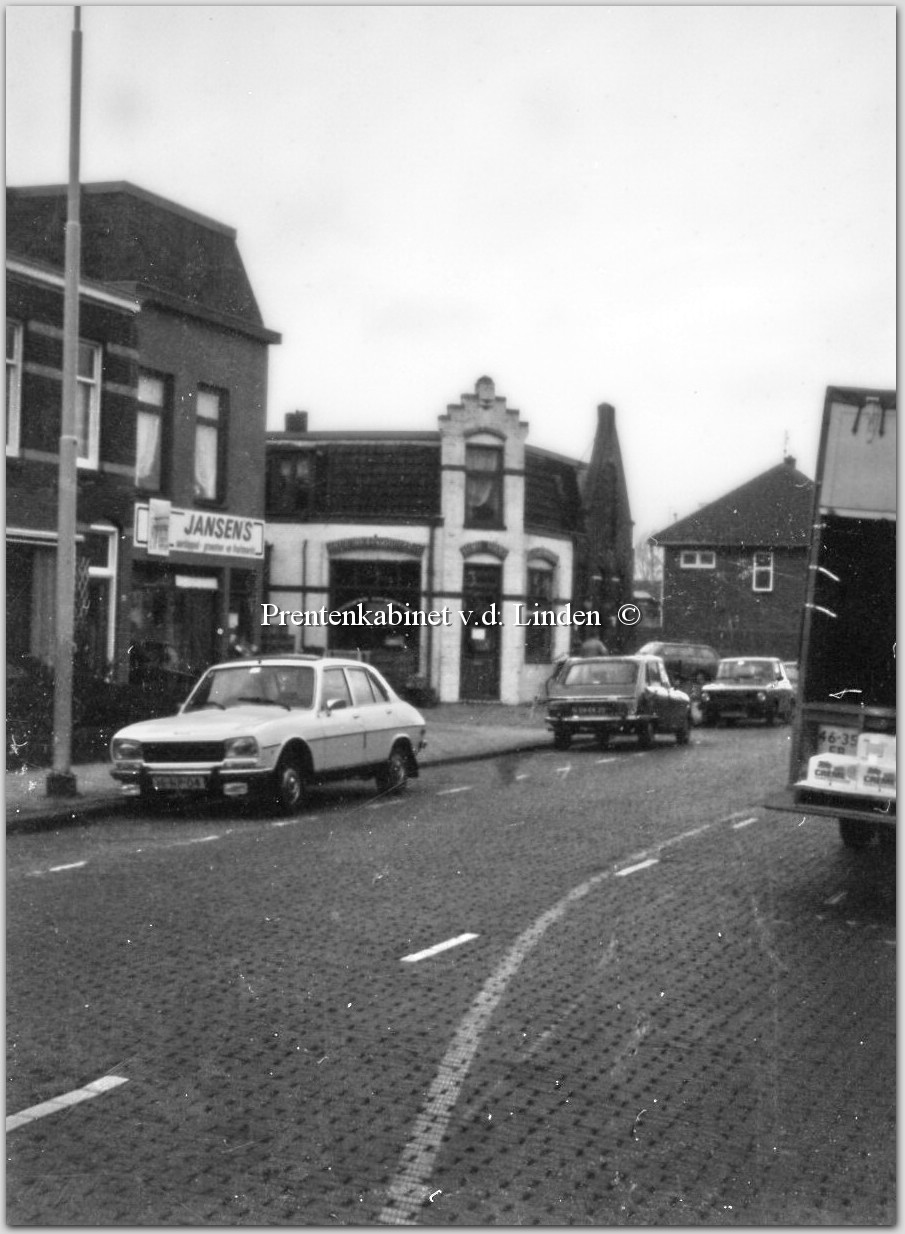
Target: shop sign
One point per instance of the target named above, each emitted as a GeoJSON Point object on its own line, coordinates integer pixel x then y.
{"type": "Point", "coordinates": [162, 529]}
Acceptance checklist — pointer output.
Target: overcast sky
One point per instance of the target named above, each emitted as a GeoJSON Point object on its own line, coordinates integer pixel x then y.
{"type": "Point", "coordinates": [686, 212]}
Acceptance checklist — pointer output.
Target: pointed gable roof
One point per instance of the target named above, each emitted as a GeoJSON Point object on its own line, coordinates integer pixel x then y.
{"type": "Point", "coordinates": [774, 509]}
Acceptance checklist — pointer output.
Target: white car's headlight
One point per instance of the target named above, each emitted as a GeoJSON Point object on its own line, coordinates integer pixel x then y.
{"type": "Point", "coordinates": [241, 747]}
{"type": "Point", "coordinates": [124, 750]}
{"type": "Point", "coordinates": [761, 697]}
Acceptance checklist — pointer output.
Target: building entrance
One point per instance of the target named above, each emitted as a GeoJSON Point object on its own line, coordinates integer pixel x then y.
{"type": "Point", "coordinates": [479, 674]}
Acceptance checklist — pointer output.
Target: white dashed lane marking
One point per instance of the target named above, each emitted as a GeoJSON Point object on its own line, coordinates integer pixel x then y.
{"type": "Point", "coordinates": [642, 865]}
{"type": "Point", "coordinates": [745, 822]}
{"type": "Point", "coordinates": [437, 948]}
{"type": "Point", "coordinates": [447, 792]}
{"type": "Point", "coordinates": [94, 1089]}
{"type": "Point", "coordinates": [73, 865]}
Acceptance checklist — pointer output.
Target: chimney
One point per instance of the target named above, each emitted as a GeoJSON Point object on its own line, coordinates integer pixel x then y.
{"type": "Point", "coordinates": [789, 460]}
{"type": "Point", "coordinates": [296, 422]}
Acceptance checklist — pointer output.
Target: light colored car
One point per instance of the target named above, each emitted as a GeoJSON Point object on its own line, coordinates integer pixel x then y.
{"type": "Point", "coordinates": [607, 695]}
{"type": "Point", "coordinates": [748, 688]}
{"type": "Point", "coordinates": [270, 726]}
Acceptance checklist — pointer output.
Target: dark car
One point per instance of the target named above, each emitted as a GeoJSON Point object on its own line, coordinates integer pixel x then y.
{"type": "Point", "coordinates": [606, 695]}
{"type": "Point", "coordinates": [685, 662]}
{"type": "Point", "coordinates": [748, 688]}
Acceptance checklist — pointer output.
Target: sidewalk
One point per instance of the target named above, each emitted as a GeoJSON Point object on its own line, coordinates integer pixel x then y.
{"type": "Point", "coordinates": [456, 732]}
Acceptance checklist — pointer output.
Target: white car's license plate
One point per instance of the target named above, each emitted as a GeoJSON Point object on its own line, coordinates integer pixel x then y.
{"type": "Point", "coordinates": [832, 739]}
{"type": "Point", "coordinates": [176, 784]}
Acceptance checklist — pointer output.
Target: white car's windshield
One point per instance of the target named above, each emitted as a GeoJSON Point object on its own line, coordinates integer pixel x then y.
{"type": "Point", "coordinates": [601, 673]}
{"type": "Point", "coordinates": [745, 672]}
{"type": "Point", "coordinates": [283, 685]}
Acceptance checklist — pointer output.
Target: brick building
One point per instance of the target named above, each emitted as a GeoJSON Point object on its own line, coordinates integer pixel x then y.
{"type": "Point", "coordinates": [469, 519]}
{"type": "Point", "coordinates": [175, 360]}
{"type": "Point", "coordinates": [735, 571]}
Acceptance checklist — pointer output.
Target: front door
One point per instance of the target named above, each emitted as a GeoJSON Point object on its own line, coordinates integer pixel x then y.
{"type": "Point", "coordinates": [481, 615]}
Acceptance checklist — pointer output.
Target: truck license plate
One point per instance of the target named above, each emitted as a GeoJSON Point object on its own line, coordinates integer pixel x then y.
{"type": "Point", "coordinates": [834, 740]}
{"type": "Point", "coordinates": [176, 784]}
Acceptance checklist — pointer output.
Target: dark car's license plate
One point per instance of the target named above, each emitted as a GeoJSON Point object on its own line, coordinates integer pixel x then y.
{"type": "Point", "coordinates": [178, 784]}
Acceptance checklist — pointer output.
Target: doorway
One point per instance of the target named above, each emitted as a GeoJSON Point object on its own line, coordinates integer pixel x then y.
{"type": "Point", "coordinates": [479, 674]}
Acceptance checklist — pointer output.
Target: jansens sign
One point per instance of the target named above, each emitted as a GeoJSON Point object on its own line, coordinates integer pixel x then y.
{"type": "Point", "coordinates": [165, 529]}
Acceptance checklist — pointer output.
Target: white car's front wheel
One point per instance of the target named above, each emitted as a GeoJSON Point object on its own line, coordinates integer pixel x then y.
{"type": "Point", "coordinates": [289, 784]}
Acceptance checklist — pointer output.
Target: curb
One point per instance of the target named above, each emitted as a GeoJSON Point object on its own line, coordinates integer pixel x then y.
{"type": "Point", "coordinates": [77, 811]}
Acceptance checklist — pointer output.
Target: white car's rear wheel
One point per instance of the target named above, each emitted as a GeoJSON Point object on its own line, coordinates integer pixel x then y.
{"type": "Point", "coordinates": [394, 774]}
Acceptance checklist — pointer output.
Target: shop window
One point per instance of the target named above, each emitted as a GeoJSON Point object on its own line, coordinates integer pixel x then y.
{"type": "Point", "coordinates": [13, 385]}
{"type": "Point", "coordinates": [697, 559]}
{"type": "Point", "coordinates": [483, 486]}
{"type": "Point", "coordinates": [289, 482]}
{"type": "Point", "coordinates": [152, 431]}
{"type": "Point", "coordinates": [210, 427]}
{"type": "Point", "coordinates": [762, 574]}
{"type": "Point", "coordinates": [539, 637]}
{"type": "Point", "coordinates": [88, 404]}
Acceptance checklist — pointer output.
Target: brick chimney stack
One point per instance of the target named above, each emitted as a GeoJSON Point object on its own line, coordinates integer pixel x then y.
{"type": "Point", "coordinates": [296, 422]}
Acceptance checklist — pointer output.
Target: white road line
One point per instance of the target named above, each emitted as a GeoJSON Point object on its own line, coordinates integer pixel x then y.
{"type": "Point", "coordinates": [642, 865]}
{"type": "Point", "coordinates": [437, 948]}
{"type": "Point", "coordinates": [73, 865]}
{"type": "Point", "coordinates": [94, 1089]}
{"type": "Point", "coordinates": [837, 898]}
{"type": "Point", "coordinates": [746, 822]}
{"type": "Point", "coordinates": [410, 1185]}
{"type": "Point", "coordinates": [446, 792]}
{"type": "Point", "coordinates": [294, 822]}
{"type": "Point", "coordinates": [195, 840]}
{"type": "Point", "coordinates": [605, 760]}
{"type": "Point", "coordinates": [522, 776]}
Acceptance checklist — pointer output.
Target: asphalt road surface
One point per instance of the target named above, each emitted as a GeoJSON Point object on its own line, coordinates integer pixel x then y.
{"type": "Point", "coordinates": [585, 987]}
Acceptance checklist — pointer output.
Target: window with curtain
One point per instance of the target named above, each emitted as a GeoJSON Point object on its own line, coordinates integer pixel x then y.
{"type": "Point", "coordinates": [152, 426]}
{"type": "Point", "coordinates": [88, 404]}
{"type": "Point", "coordinates": [483, 486]}
{"type": "Point", "coordinates": [13, 384]}
{"type": "Point", "coordinates": [209, 426]}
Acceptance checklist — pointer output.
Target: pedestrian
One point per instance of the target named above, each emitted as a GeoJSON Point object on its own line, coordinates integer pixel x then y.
{"type": "Point", "coordinates": [592, 646]}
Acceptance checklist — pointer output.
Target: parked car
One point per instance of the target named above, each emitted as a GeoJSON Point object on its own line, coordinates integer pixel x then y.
{"type": "Point", "coordinates": [606, 695]}
{"type": "Point", "coordinates": [691, 662]}
{"type": "Point", "coordinates": [748, 688]}
{"type": "Point", "coordinates": [270, 726]}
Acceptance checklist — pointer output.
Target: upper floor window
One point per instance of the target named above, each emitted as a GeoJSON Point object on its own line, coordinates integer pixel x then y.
{"type": "Point", "coordinates": [88, 404]}
{"type": "Point", "coordinates": [762, 574]}
{"type": "Point", "coordinates": [210, 427]}
{"type": "Point", "coordinates": [483, 486]}
{"type": "Point", "coordinates": [152, 428]}
{"type": "Point", "coordinates": [13, 384]}
{"type": "Point", "coordinates": [289, 478]}
{"type": "Point", "coordinates": [697, 559]}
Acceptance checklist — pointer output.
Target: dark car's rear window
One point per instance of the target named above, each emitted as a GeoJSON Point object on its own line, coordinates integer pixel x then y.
{"type": "Point", "coordinates": [601, 673]}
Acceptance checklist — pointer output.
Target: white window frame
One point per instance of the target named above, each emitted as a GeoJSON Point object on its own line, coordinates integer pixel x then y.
{"type": "Point", "coordinates": [759, 568]}
{"type": "Point", "coordinates": [91, 383]}
{"type": "Point", "coordinates": [697, 559]}
{"type": "Point", "coordinates": [107, 574]}
{"type": "Point", "coordinates": [13, 389]}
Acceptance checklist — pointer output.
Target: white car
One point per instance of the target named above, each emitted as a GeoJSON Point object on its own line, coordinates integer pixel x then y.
{"type": "Point", "coordinates": [271, 726]}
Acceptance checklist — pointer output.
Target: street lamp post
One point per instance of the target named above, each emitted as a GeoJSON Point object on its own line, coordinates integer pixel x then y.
{"type": "Point", "coordinates": [61, 782]}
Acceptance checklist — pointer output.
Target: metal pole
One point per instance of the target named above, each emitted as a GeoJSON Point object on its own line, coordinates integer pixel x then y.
{"type": "Point", "coordinates": [61, 782]}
